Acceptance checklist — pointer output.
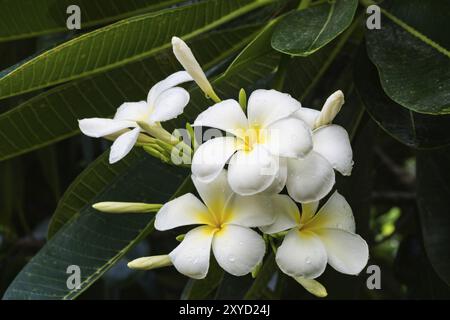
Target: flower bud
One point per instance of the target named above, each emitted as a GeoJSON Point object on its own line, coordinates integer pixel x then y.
{"type": "Point", "coordinates": [126, 207]}
{"type": "Point", "coordinates": [149, 263]}
{"type": "Point", "coordinates": [330, 109]}
{"type": "Point", "coordinates": [312, 286]}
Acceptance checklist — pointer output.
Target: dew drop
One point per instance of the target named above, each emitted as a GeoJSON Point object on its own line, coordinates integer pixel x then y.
{"type": "Point", "coordinates": [308, 260]}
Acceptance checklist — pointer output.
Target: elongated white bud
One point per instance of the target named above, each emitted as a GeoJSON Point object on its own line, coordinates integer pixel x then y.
{"type": "Point", "coordinates": [330, 109]}
{"type": "Point", "coordinates": [126, 207]}
{"type": "Point", "coordinates": [312, 286]}
{"type": "Point", "coordinates": [185, 56]}
{"type": "Point", "coordinates": [149, 263]}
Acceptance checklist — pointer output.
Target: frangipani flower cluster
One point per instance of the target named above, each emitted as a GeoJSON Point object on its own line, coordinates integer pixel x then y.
{"type": "Point", "coordinates": [271, 142]}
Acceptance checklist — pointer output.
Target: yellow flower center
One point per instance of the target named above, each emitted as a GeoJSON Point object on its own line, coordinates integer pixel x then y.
{"type": "Point", "coordinates": [216, 218]}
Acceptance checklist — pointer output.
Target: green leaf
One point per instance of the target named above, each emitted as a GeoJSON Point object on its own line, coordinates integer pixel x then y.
{"type": "Point", "coordinates": [96, 241]}
{"type": "Point", "coordinates": [258, 47]}
{"type": "Point", "coordinates": [124, 42]}
{"type": "Point", "coordinates": [411, 53]}
{"type": "Point", "coordinates": [52, 116]}
{"type": "Point", "coordinates": [303, 32]}
{"type": "Point", "coordinates": [410, 128]}
{"type": "Point", "coordinates": [21, 19]}
{"type": "Point", "coordinates": [433, 189]}
{"type": "Point", "coordinates": [304, 73]}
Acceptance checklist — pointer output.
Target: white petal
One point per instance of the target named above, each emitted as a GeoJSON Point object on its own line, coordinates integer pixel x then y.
{"type": "Point", "coordinates": [123, 145]}
{"type": "Point", "coordinates": [279, 182]}
{"type": "Point", "coordinates": [289, 137]}
{"type": "Point", "coordinates": [307, 115]}
{"type": "Point", "coordinates": [267, 106]}
{"type": "Point", "coordinates": [302, 254]}
{"type": "Point", "coordinates": [170, 104]}
{"type": "Point", "coordinates": [238, 249]}
{"type": "Point", "coordinates": [347, 252]}
{"type": "Point", "coordinates": [335, 213]}
{"type": "Point", "coordinates": [226, 115]}
{"type": "Point", "coordinates": [251, 172]}
{"type": "Point", "coordinates": [210, 158]}
{"type": "Point", "coordinates": [100, 127]}
{"type": "Point", "coordinates": [333, 143]}
{"type": "Point", "coordinates": [191, 257]}
{"type": "Point", "coordinates": [169, 82]}
{"type": "Point", "coordinates": [309, 179]}
{"type": "Point", "coordinates": [287, 215]}
{"type": "Point", "coordinates": [181, 211]}
{"type": "Point", "coordinates": [133, 111]}
{"type": "Point", "coordinates": [309, 209]}
{"type": "Point", "coordinates": [250, 211]}
{"type": "Point", "coordinates": [216, 193]}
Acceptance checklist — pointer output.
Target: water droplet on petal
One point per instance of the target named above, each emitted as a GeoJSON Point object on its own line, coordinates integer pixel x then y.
{"type": "Point", "coordinates": [308, 260]}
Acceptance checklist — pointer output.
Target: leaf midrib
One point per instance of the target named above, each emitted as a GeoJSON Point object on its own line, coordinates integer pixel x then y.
{"type": "Point", "coordinates": [327, 21]}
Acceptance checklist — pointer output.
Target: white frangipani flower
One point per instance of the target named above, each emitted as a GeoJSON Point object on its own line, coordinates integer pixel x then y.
{"type": "Point", "coordinates": [165, 101]}
{"type": "Point", "coordinates": [187, 59]}
{"type": "Point", "coordinates": [259, 143]}
{"type": "Point", "coordinates": [225, 219]}
{"type": "Point", "coordinates": [313, 177]}
{"type": "Point", "coordinates": [315, 239]}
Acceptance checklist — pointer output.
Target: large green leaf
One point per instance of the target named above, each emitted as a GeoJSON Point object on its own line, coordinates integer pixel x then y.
{"type": "Point", "coordinates": [411, 53]}
{"type": "Point", "coordinates": [433, 190]}
{"type": "Point", "coordinates": [124, 42]}
{"type": "Point", "coordinates": [29, 18]}
{"type": "Point", "coordinates": [305, 31]}
{"type": "Point", "coordinates": [411, 128]}
{"type": "Point", "coordinates": [52, 115]}
{"type": "Point", "coordinates": [96, 241]}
